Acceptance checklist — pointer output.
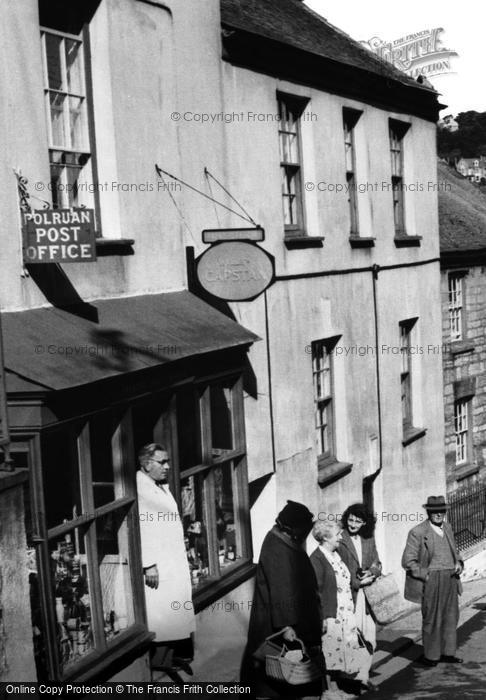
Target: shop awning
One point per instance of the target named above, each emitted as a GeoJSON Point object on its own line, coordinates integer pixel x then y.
{"type": "Point", "coordinates": [56, 349]}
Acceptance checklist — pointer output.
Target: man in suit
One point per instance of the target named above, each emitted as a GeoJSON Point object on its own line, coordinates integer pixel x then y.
{"type": "Point", "coordinates": [433, 567]}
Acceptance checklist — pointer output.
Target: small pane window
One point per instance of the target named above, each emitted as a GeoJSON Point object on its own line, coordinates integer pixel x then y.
{"type": "Point", "coordinates": [350, 118]}
{"type": "Point", "coordinates": [221, 419]}
{"type": "Point", "coordinates": [456, 318]}
{"type": "Point", "coordinates": [397, 131]}
{"type": "Point", "coordinates": [462, 431]}
{"type": "Point", "coordinates": [323, 396]}
{"type": "Point", "coordinates": [113, 557]}
{"type": "Point", "coordinates": [195, 520]}
{"type": "Point", "coordinates": [67, 119]}
{"type": "Point", "coordinates": [60, 477]}
{"type": "Point", "coordinates": [73, 598]}
{"type": "Point", "coordinates": [290, 111]}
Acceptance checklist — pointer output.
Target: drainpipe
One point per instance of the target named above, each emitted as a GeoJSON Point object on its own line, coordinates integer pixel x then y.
{"type": "Point", "coordinates": [374, 276]}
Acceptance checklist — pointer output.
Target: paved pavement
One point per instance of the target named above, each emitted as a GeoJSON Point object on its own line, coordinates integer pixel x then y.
{"type": "Point", "coordinates": [394, 668]}
{"type": "Point", "coordinates": [399, 647]}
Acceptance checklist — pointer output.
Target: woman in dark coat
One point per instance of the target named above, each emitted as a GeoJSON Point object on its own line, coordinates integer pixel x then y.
{"type": "Point", "coordinates": [285, 600]}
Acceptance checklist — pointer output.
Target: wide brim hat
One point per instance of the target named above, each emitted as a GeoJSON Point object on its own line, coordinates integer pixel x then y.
{"type": "Point", "coordinates": [295, 515]}
{"type": "Point", "coordinates": [436, 503]}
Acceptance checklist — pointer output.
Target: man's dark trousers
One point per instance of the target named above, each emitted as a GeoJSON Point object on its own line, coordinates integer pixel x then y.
{"type": "Point", "coordinates": [440, 612]}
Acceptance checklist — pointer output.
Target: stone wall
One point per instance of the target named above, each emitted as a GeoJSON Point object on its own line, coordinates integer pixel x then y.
{"type": "Point", "coordinates": [464, 370]}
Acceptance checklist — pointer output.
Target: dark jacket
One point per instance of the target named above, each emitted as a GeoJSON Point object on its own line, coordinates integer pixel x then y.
{"type": "Point", "coordinates": [349, 555]}
{"type": "Point", "coordinates": [285, 595]}
{"type": "Point", "coordinates": [326, 583]}
{"type": "Point", "coordinates": [417, 556]}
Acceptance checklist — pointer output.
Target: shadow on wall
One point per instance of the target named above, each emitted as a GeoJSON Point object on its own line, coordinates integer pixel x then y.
{"type": "Point", "coordinates": [59, 291]}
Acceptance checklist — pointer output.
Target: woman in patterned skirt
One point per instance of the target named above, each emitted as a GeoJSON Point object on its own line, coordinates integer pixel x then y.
{"type": "Point", "coordinates": [340, 643]}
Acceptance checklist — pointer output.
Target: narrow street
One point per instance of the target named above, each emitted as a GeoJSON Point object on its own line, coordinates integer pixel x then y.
{"type": "Point", "coordinates": [467, 680]}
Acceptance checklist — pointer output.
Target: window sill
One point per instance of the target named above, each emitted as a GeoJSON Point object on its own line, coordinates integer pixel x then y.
{"type": "Point", "coordinates": [457, 347]}
{"type": "Point", "coordinates": [361, 241]}
{"type": "Point", "coordinates": [97, 663]}
{"type": "Point", "coordinates": [302, 241]}
{"type": "Point", "coordinates": [217, 589]}
{"type": "Point", "coordinates": [404, 241]}
{"type": "Point", "coordinates": [10, 479]}
{"type": "Point", "coordinates": [329, 469]}
{"type": "Point", "coordinates": [114, 246]}
{"type": "Point", "coordinates": [411, 434]}
{"type": "Point", "coordinates": [465, 470]}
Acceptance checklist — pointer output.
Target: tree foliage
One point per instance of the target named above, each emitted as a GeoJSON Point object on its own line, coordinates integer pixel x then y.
{"type": "Point", "coordinates": [469, 141]}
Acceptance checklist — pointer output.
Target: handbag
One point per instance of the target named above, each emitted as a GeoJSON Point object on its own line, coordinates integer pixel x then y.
{"type": "Point", "coordinates": [364, 643]}
{"type": "Point", "coordinates": [289, 670]}
{"type": "Point", "coordinates": [385, 600]}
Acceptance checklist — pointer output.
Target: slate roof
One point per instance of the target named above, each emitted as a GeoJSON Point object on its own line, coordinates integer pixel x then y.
{"type": "Point", "coordinates": [293, 23]}
{"type": "Point", "coordinates": [462, 213]}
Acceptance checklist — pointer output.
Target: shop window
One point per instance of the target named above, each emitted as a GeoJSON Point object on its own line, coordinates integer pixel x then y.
{"type": "Point", "coordinates": [221, 419]}
{"type": "Point", "coordinates": [87, 600]}
{"type": "Point", "coordinates": [214, 493]}
{"type": "Point", "coordinates": [188, 427]}
{"type": "Point", "coordinates": [61, 476]}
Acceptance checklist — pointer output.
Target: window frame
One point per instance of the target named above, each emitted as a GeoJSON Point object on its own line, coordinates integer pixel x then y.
{"type": "Point", "coordinates": [104, 652]}
{"type": "Point", "coordinates": [410, 432]}
{"type": "Point", "coordinates": [322, 350]}
{"type": "Point", "coordinates": [350, 120]}
{"type": "Point", "coordinates": [235, 459]}
{"type": "Point", "coordinates": [457, 308]}
{"type": "Point", "coordinates": [466, 432]}
{"type": "Point", "coordinates": [397, 131]}
{"type": "Point", "coordinates": [87, 162]}
{"type": "Point", "coordinates": [294, 105]}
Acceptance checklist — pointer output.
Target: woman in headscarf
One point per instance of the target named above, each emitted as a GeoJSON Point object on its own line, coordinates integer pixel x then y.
{"type": "Point", "coordinates": [285, 600]}
{"type": "Point", "coordinates": [358, 551]}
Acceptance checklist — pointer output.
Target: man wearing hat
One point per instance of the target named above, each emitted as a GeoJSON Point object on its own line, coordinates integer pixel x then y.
{"type": "Point", "coordinates": [433, 568]}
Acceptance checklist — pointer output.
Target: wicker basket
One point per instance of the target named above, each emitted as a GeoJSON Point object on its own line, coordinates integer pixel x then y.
{"type": "Point", "coordinates": [294, 672]}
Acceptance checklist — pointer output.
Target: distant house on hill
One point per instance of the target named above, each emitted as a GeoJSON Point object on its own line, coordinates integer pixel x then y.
{"type": "Point", "coordinates": [472, 168]}
{"type": "Point", "coordinates": [448, 122]}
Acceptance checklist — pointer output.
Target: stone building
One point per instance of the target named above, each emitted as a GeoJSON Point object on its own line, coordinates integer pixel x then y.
{"type": "Point", "coordinates": [462, 221]}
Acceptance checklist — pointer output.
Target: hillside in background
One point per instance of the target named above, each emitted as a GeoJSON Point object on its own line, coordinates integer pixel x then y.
{"type": "Point", "coordinates": [469, 141]}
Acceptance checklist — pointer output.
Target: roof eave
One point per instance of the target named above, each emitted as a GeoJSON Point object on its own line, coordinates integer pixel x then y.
{"type": "Point", "coordinates": [262, 54]}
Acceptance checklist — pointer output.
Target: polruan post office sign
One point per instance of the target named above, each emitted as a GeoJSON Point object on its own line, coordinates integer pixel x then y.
{"type": "Point", "coordinates": [235, 270]}
{"type": "Point", "coordinates": [59, 236]}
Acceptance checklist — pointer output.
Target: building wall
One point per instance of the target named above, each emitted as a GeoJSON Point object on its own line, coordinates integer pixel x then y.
{"type": "Point", "coordinates": [469, 364]}
{"type": "Point", "coordinates": [157, 75]}
{"type": "Point", "coordinates": [16, 653]}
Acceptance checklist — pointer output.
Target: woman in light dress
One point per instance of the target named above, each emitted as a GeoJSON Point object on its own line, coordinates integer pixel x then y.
{"type": "Point", "coordinates": [357, 549]}
{"type": "Point", "coordinates": [343, 653]}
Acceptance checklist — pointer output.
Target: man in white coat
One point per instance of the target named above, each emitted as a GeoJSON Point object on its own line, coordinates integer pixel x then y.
{"type": "Point", "coordinates": [168, 592]}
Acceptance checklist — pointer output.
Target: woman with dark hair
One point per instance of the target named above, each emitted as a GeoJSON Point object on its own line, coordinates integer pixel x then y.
{"type": "Point", "coordinates": [358, 551]}
{"type": "Point", "coordinates": [286, 600]}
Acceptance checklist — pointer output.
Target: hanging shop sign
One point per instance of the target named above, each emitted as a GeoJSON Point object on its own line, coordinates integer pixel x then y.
{"type": "Point", "coordinates": [59, 235]}
{"type": "Point", "coordinates": [235, 270]}
{"type": "Point", "coordinates": [216, 235]}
